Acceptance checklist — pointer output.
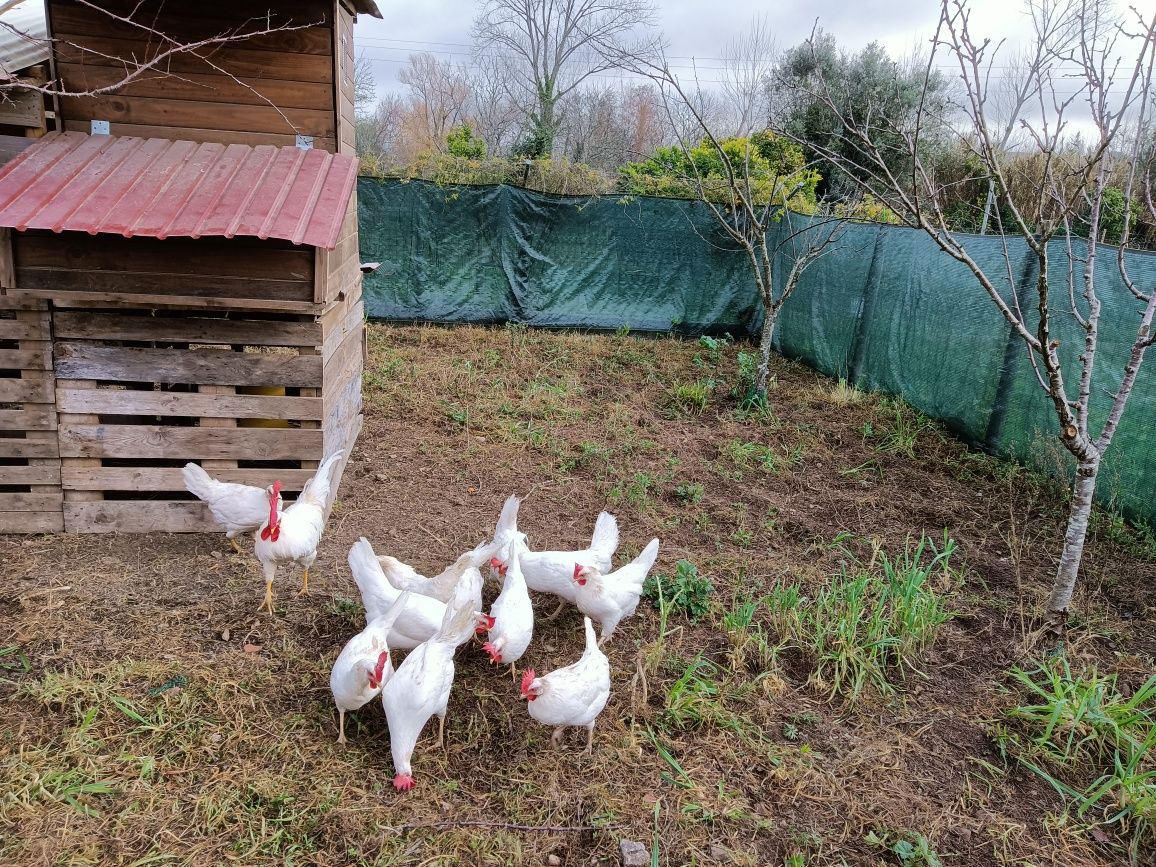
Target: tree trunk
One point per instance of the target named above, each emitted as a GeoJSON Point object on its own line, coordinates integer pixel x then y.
{"type": "Point", "coordinates": [1079, 513]}
{"type": "Point", "coordinates": [763, 373]}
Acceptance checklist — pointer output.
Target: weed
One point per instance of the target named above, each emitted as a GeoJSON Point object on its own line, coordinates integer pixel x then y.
{"type": "Point", "coordinates": [745, 390]}
{"type": "Point", "coordinates": [690, 492]}
{"type": "Point", "coordinates": [690, 397]}
{"type": "Point", "coordinates": [900, 434]}
{"type": "Point", "coordinates": [745, 456]}
{"type": "Point", "coordinates": [1077, 723]}
{"type": "Point", "coordinates": [743, 537]}
{"type": "Point", "coordinates": [911, 848]}
{"type": "Point", "coordinates": [842, 394]}
{"type": "Point", "coordinates": [588, 454]}
{"type": "Point", "coordinates": [1138, 540]}
{"type": "Point", "coordinates": [635, 491]}
{"type": "Point", "coordinates": [685, 591]}
{"type": "Point", "coordinates": [693, 699]}
{"type": "Point", "coordinates": [861, 626]}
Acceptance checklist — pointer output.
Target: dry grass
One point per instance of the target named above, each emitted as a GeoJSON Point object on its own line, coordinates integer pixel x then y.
{"type": "Point", "coordinates": [150, 717]}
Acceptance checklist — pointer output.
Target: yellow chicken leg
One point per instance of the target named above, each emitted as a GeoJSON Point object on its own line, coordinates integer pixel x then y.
{"type": "Point", "coordinates": [304, 591]}
{"type": "Point", "coordinates": [513, 673]}
{"type": "Point", "coordinates": [236, 547]}
{"type": "Point", "coordinates": [267, 604]}
{"type": "Point", "coordinates": [442, 732]}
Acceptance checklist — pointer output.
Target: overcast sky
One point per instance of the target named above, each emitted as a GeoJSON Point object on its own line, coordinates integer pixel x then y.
{"type": "Point", "coordinates": [694, 28]}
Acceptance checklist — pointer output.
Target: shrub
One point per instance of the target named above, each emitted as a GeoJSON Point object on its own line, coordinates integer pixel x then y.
{"type": "Point", "coordinates": [685, 591]}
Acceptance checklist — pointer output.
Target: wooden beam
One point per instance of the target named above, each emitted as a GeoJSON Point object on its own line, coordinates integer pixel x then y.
{"type": "Point", "coordinates": [187, 443]}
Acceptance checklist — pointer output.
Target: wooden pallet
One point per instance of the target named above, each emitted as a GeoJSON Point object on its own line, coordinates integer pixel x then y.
{"type": "Point", "coordinates": [30, 491]}
{"type": "Point", "coordinates": [253, 397]}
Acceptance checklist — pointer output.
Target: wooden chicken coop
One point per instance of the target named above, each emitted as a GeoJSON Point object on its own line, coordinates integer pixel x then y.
{"type": "Point", "coordinates": [179, 271]}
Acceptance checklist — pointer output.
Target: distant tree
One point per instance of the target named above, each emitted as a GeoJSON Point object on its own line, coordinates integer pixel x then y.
{"type": "Point", "coordinates": [554, 48]}
{"type": "Point", "coordinates": [461, 142]}
{"type": "Point", "coordinates": [439, 95]}
{"type": "Point", "coordinates": [364, 87]}
{"type": "Point", "coordinates": [868, 87]}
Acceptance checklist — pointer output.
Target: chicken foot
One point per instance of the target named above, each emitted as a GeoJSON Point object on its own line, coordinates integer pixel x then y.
{"type": "Point", "coordinates": [441, 732]}
{"type": "Point", "coordinates": [556, 738]}
{"type": "Point", "coordinates": [236, 546]}
{"type": "Point", "coordinates": [304, 591]}
{"type": "Point", "coordinates": [589, 751]}
{"type": "Point", "coordinates": [267, 604]}
{"type": "Point", "coordinates": [558, 610]}
{"type": "Point", "coordinates": [341, 725]}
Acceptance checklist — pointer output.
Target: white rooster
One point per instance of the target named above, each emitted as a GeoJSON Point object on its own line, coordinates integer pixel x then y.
{"type": "Point", "coordinates": [422, 616]}
{"type": "Point", "coordinates": [237, 508]}
{"type": "Point", "coordinates": [609, 599]}
{"type": "Point", "coordinates": [441, 586]}
{"type": "Point", "coordinates": [511, 618]}
{"type": "Point", "coordinates": [292, 534]}
{"type": "Point", "coordinates": [571, 696]}
{"type": "Point", "coordinates": [363, 667]}
{"type": "Point", "coordinates": [553, 571]}
{"type": "Point", "coordinates": [420, 688]}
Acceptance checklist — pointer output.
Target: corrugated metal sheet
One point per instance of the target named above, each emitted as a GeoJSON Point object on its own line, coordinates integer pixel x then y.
{"type": "Point", "coordinates": [366, 7]}
{"type": "Point", "coordinates": [156, 188]}
{"type": "Point", "coordinates": [24, 41]}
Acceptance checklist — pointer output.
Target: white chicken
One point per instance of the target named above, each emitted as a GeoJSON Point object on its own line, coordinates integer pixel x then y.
{"type": "Point", "coordinates": [441, 586]}
{"type": "Point", "coordinates": [237, 508]}
{"type": "Point", "coordinates": [422, 616]}
{"type": "Point", "coordinates": [571, 696]}
{"type": "Point", "coordinates": [511, 618]}
{"type": "Point", "coordinates": [420, 688]}
{"type": "Point", "coordinates": [553, 571]}
{"type": "Point", "coordinates": [292, 534]}
{"type": "Point", "coordinates": [609, 599]}
{"type": "Point", "coordinates": [363, 667]}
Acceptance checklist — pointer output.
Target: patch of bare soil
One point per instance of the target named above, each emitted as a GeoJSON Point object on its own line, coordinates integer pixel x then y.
{"type": "Point", "coordinates": [150, 717]}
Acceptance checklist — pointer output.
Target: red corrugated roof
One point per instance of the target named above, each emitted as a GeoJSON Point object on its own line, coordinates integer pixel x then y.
{"type": "Point", "coordinates": [156, 188]}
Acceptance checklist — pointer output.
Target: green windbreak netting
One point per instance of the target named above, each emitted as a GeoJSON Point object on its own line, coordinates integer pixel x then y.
{"type": "Point", "coordinates": [883, 308]}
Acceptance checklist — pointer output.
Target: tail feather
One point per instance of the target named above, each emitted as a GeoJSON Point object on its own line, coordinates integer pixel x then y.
{"type": "Point", "coordinates": [645, 560]}
{"type": "Point", "coordinates": [507, 520]}
{"type": "Point", "coordinates": [604, 542]}
{"type": "Point", "coordinates": [197, 481]}
{"type": "Point", "coordinates": [457, 624]}
{"type": "Point", "coordinates": [318, 489]}
{"type": "Point", "coordinates": [363, 564]}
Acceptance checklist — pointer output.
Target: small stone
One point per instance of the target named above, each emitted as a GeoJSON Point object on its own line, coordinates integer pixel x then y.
{"type": "Point", "coordinates": [553, 860]}
{"type": "Point", "coordinates": [380, 477]}
{"type": "Point", "coordinates": [634, 854]}
{"type": "Point", "coordinates": [215, 738]}
{"type": "Point", "coordinates": [719, 853]}
{"type": "Point", "coordinates": [225, 633]}
{"type": "Point", "coordinates": [216, 555]}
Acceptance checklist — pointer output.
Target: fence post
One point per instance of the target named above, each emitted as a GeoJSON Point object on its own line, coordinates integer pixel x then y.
{"type": "Point", "coordinates": [864, 314]}
{"type": "Point", "coordinates": [1013, 349]}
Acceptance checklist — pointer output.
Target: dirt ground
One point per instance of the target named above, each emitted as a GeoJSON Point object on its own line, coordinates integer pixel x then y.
{"type": "Point", "coordinates": [149, 716]}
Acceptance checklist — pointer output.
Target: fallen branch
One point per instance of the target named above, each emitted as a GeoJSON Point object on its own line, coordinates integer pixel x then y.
{"type": "Point", "coordinates": [504, 826]}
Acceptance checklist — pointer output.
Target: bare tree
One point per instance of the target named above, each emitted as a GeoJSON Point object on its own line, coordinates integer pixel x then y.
{"type": "Point", "coordinates": [557, 46]}
{"type": "Point", "coordinates": [493, 106]}
{"type": "Point", "coordinates": [747, 64]}
{"type": "Point", "coordinates": [752, 208]}
{"type": "Point", "coordinates": [439, 96]}
{"type": "Point", "coordinates": [1105, 72]}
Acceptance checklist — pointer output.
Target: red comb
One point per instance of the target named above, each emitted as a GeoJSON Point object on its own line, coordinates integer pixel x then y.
{"type": "Point", "coordinates": [379, 670]}
{"type": "Point", "coordinates": [577, 569]}
{"type": "Point", "coordinates": [527, 679]}
{"type": "Point", "coordinates": [495, 562]}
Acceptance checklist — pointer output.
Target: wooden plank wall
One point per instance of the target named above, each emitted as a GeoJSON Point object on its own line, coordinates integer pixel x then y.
{"type": "Point", "coordinates": [220, 272]}
{"type": "Point", "coordinates": [159, 390]}
{"type": "Point", "coordinates": [264, 90]}
{"type": "Point", "coordinates": [343, 54]}
{"type": "Point", "coordinates": [30, 490]}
